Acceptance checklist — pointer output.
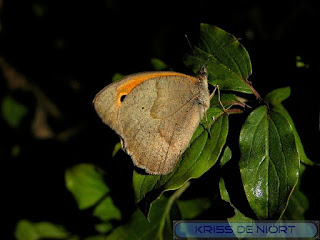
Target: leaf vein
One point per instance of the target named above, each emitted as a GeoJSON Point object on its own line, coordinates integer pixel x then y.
{"type": "Point", "coordinates": [231, 57]}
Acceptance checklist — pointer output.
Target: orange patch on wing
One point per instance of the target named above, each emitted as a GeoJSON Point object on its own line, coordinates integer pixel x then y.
{"type": "Point", "coordinates": [126, 88]}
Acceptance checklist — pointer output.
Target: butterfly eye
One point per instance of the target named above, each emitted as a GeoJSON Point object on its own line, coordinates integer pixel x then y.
{"type": "Point", "coordinates": [122, 98]}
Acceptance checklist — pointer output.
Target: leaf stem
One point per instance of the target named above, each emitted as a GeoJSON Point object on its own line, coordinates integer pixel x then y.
{"type": "Point", "coordinates": [234, 111]}
{"type": "Point", "coordinates": [171, 200]}
{"type": "Point", "coordinates": [249, 84]}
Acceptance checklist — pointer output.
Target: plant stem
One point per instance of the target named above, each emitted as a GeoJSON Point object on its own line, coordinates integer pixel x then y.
{"type": "Point", "coordinates": [253, 90]}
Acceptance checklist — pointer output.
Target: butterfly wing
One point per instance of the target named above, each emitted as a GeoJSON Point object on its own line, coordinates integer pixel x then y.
{"type": "Point", "coordinates": [157, 120]}
{"type": "Point", "coordinates": [109, 100]}
{"type": "Point", "coordinates": [106, 104]}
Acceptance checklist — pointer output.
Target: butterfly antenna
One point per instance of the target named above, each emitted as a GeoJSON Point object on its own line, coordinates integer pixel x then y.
{"type": "Point", "coordinates": [189, 43]}
{"type": "Point", "coordinates": [194, 55]}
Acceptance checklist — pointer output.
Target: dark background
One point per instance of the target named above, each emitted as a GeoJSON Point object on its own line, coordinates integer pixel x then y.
{"type": "Point", "coordinates": [69, 50]}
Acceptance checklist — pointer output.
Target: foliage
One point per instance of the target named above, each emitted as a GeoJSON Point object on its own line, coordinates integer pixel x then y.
{"type": "Point", "coordinates": [271, 157]}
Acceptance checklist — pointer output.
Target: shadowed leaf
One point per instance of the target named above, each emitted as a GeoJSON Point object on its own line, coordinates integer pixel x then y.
{"type": "Point", "coordinates": [226, 156]}
{"type": "Point", "coordinates": [13, 112]}
{"type": "Point", "coordinates": [159, 225]}
{"type": "Point", "coordinates": [86, 184]}
{"type": "Point", "coordinates": [27, 230]}
{"type": "Point", "coordinates": [238, 216]}
{"type": "Point", "coordinates": [190, 209]}
{"type": "Point", "coordinates": [275, 98]}
{"type": "Point", "coordinates": [106, 210]}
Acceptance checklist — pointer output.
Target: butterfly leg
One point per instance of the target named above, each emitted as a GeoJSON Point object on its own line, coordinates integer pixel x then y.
{"type": "Point", "coordinates": [219, 97]}
{"type": "Point", "coordinates": [220, 102]}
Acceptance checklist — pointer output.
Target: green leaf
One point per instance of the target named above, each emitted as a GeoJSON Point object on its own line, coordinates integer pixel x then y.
{"type": "Point", "coordinates": [27, 230]}
{"type": "Point", "coordinates": [157, 228]}
{"type": "Point", "coordinates": [238, 216]}
{"type": "Point", "coordinates": [158, 64]}
{"type": "Point", "coordinates": [15, 150]}
{"type": "Point", "coordinates": [116, 149]}
{"type": "Point", "coordinates": [190, 209]}
{"type": "Point", "coordinates": [227, 61]}
{"type": "Point", "coordinates": [103, 227]}
{"type": "Point", "coordinates": [275, 98]}
{"type": "Point", "coordinates": [13, 112]}
{"type": "Point", "coordinates": [99, 237]}
{"type": "Point", "coordinates": [106, 210]}
{"type": "Point", "coordinates": [117, 76]}
{"type": "Point", "coordinates": [199, 157]}
{"type": "Point", "coordinates": [139, 227]}
{"type": "Point", "coordinates": [86, 184]}
{"type": "Point", "coordinates": [226, 156]}
{"type": "Point", "coordinates": [298, 203]}
{"type": "Point", "coordinates": [73, 238]}
{"type": "Point", "coordinates": [269, 163]}
{"type": "Point", "coordinates": [49, 230]}
{"type": "Point", "coordinates": [300, 63]}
